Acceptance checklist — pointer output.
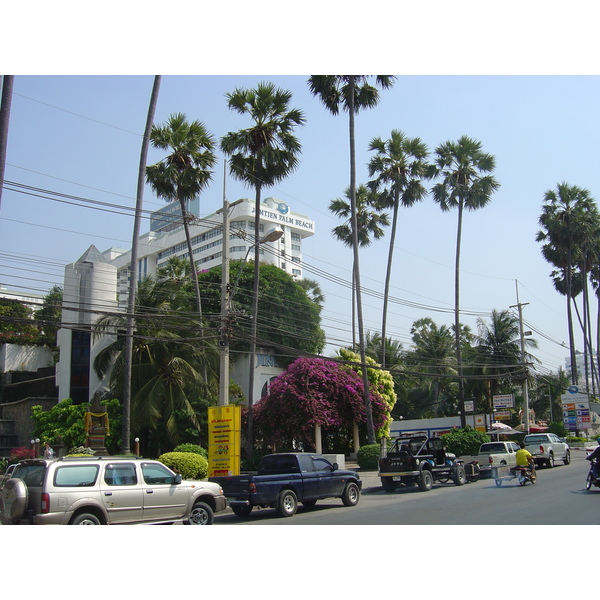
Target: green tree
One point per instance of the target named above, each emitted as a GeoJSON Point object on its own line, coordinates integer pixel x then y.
{"type": "Point", "coordinates": [353, 93]}
{"type": "Point", "coordinates": [289, 321]}
{"type": "Point", "coordinates": [50, 315]}
{"type": "Point", "coordinates": [399, 166]}
{"type": "Point", "coordinates": [166, 364]}
{"type": "Point", "coordinates": [184, 172]}
{"type": "Point", "coordinates": [16, 324]}
{"type": "Point", "coordinates": [261, 156]}
{"type": "Point", "coordinates": [466, 183]}
{"type": "Point", "coordinates": [564, 221]}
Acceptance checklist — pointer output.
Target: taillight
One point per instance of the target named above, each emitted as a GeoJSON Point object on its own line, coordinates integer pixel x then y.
{"type": "Point", "coordinates": [45, 503]}
{"type": "Point", "coordinates": [252, 488]}
{"type": "Point", "coordinates": [542, 449]}
{"type": "Point", "coordinates": [490, 459]}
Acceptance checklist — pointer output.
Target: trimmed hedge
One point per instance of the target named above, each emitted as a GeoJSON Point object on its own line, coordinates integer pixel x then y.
{"type": "Point", "coordinates": [188, 464]}
{"type": "Point", "coordinates": [191, 448]}
{"type": "Point", "coordinates": [368, 457]}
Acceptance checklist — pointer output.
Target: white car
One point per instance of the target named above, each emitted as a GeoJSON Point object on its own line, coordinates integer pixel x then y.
{"type": "Point", "coordinates": [497, 454]}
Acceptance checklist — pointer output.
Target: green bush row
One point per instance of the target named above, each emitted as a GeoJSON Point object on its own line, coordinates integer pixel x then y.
{"type": "Point", "coordinates": [188, 464]}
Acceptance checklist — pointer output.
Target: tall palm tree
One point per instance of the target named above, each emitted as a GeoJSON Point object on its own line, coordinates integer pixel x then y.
{"type": "Point", "coordinates": [261, 156]}
{"type": "Point", "coordinates": [465, 183]}
{"type": "Point", "coordinates": [353, 93]}
{"type": "Point", "coordinates": [369, 223]}
{"type": "Point", "coordinates": [131, 300]}
{"type": "Point", "coordinates": [184, 172]}
{"type": "Point", "coordinates": [564, 221]}
{"type": "Point", "coordinates": [433, 355]}
{"type": "Point", "coordinates": [399, 166]}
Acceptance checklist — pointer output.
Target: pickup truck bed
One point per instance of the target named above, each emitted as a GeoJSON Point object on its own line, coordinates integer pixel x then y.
{"type": "Point", "coordinates": [284, 480]}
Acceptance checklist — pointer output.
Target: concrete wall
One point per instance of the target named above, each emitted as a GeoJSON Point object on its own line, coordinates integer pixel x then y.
{"type": "Point", "coordinates": [14, 357]}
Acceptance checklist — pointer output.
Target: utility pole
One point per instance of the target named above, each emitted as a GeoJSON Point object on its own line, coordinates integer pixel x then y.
{"type": "Point", "coordinates": [5, 102]}
{"type": "Point", "coordinates": [520, 306]}
{"type": "Point", "coordinates": [224, 338]}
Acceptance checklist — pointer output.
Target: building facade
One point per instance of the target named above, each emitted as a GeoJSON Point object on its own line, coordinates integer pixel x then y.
{"type": "Point", "coordinates": [101, 280]}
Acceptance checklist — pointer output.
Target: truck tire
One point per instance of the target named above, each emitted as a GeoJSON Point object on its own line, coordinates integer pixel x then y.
{"type": "Point", "coordinates": [201, 514]}
{"type": "Point", "coordinates": [567, 458]}
{"type": "Point", "coordinates": [550, 461]}
{"type": "Point", "coordinates": [351, 494]}
{"type": "Point", "coordinates": [242, 510]}
{"type": "Point", "coordinates": [425, 481]}
{"type": "Point", "coordinates": [388, 484]}
{"type": "Point", "coordinates": [287, 503]}
{"type": "Point", "coordinates": [85, 519]}
{"type": "Point", "coordinates": [460, 475]}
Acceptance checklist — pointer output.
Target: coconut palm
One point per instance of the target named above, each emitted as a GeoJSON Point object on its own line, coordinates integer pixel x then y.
{"type": "Point", "coordinates": [466, 183]}
{"type": "Point", "coordinates": [352, 93]}
{"type": "Point", "coordinates": [564, 221]}
{"type": "Point", "coordinates": [399, 166]}
{"type": "Point", "coordinates": [183, 173]}
{"type": "Point", "coordinates": [370, 223]}
{"type": "Point", "coordinates": [261, 156]}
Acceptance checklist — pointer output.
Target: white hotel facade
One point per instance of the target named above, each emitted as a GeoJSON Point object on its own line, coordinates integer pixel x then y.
{"type": "Point", "coordinates": [166, 238]}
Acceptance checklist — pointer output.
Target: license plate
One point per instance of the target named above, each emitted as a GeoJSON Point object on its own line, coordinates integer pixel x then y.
{"type": "Point", "coordinates": [396, 478]}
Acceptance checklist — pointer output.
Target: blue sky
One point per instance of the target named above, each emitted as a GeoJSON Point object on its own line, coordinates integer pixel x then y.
{"type": "Point", "coordinates": [80, 135]}
{"type": "Point", "coordinates": [526, 87]}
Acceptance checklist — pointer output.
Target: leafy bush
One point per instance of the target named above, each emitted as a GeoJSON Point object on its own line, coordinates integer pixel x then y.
{"type": "Point", "coordinates": [188, 464]}
{"type": "Point", "coordinates": [368, 457]}
{"type": "Point", "coordinates": [3, 464]}
{"type": "Point", "coordinates": [81, 451]}
{"type": "Point", "coordinates": [464, 442]}
{"type": "Point", "coordinates": [20, 453]}
{"type": "Point", "coordinates": [191, 448]}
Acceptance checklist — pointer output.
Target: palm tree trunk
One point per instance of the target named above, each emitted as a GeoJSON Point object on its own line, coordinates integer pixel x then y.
{"type": "Point", "coordinates": [570, 320]}
{"type": "Point", "coordinates": [254, 325]}
{"type": "Point", "coordinates": [388, 276]}
{"type": "Point", "coordinates": [356, 268]}
{"type": "Point", "coordinates": [128, 355]}
{"type": "Point", "coordinates": [461, 388]}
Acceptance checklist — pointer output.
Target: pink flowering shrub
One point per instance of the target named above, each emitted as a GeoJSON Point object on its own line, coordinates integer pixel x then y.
{"type": "Point", "coordinates": [314, 390]}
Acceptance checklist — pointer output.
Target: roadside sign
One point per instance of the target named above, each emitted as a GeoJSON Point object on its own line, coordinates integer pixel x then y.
{"type": "Point", "coordinates": [224, 440]}
{"type": "Point", "coordinates": [576, 410]}
{"type": "Point", "coordinates": [504, 401]}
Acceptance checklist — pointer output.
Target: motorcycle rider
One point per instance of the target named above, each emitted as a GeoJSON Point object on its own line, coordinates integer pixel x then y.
{"type": "Point", "coordinates": [525, 459]}
{"type": "Point", "coordinates": [595, 458]}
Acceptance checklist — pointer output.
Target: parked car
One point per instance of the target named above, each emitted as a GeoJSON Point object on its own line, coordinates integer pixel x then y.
{"type": "Point", "coordinates": [284, 480]}
{"type": "Point", "coordinates": [105, 491]}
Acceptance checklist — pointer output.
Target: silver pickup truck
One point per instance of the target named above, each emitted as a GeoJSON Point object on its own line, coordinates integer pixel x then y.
{"type": "Point", "coordinates": [547, 448]}
{"type": "Point", "coordinates": [497, 454]}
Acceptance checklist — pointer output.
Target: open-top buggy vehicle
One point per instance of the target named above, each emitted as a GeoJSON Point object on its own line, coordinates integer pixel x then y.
{"type": "Point", "coordinates": [422, 460]}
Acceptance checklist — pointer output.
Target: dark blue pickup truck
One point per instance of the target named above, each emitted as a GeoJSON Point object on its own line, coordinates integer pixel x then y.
{"type": "Point", "coordinates": [283, 480]}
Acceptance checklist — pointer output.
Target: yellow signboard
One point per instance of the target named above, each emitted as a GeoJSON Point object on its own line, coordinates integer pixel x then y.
{"type": "Point", "coordinates": [224, 440]}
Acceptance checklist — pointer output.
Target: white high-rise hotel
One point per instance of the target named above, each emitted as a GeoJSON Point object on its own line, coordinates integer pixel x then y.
{"type": "Point", "coordinates": [85, 298]}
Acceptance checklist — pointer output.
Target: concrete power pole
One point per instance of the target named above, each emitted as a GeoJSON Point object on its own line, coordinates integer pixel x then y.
{"type": "Point", "coordinates": [520, 306]}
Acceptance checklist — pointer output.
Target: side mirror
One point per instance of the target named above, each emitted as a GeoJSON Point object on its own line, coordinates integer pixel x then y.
{"type": "Point", "coordinates": [177, 479]}
{"type": "Point", "coordinates": [335, 466]}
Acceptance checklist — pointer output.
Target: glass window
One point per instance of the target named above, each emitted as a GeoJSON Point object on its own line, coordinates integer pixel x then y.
{"type": "Point", "coordinates": [120, 474]}
{"type": "Point", "coordinates": [32, 475]}
{"type": "Point", "coordinates": [156, 473]}
{"type": "Point", "coordinates": [322, 464]}
{"type": "Point", "coordinates": [76, 476]}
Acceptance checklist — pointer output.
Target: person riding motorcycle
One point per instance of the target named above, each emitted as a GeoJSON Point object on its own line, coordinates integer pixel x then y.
{"type": "Point", "coordinates": [525, 459]}
{"type": "Point", "coordinates": [595, 458]}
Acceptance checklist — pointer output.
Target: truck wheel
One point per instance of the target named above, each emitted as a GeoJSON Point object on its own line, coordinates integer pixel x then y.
{"type": "Point", "coordinates": [85, 519]}
{"type": "Point", "coordinates": [201, 514]}
{"type": "Point", "coordinates": [287, 503]}
{"type": "Point", "coordinates": [351, 494]}
{"type": "Point", "coordinates": [242, 510]}
{"type": "Point", "coordinates": [460, 476]}
{"type": "Point", "coordinates": [388, 484]}
{"type": "Point", "coordinates": [550, 461]}
{"type": "Point", "coordinates": [567, 458]}
{"type": "Point", "coordinates": [425, 480]}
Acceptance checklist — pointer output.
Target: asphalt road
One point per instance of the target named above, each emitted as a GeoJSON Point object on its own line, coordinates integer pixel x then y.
{"type": "Point", "coordinates": [559, 497]}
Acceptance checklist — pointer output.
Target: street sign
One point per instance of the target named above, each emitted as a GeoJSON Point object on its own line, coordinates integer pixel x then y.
{"type": "Point", "coordinates": [576, 410]}
{"type": "Point", "coordinates": [504, 401]}
{"type": "Point", "coordinates": [224, 440]}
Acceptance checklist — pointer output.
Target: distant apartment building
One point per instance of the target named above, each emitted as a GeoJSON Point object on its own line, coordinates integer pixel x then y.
{"type": "Point", "coordinates": [584, 364]}
{"type": "Point", "coordinates": [86, 296]}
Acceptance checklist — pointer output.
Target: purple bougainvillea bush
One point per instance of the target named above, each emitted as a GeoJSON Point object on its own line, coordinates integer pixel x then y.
{"type": "Point", "coordinates": [311, 391]}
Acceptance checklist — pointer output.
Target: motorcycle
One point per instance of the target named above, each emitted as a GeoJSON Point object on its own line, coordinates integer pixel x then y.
{"type": "Point", "coordinates": [592, 480]}
{"type": "Point", "coordinates": [524, 474]}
